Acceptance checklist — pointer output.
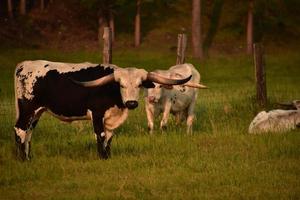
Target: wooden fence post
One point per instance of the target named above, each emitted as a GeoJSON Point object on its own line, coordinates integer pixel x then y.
{"type": "Point", "coordinates": [107, 46]}
{"type": "Point", "coordinates": [181, 46]}
{"type": "Point", "coordinates": [260, 75]}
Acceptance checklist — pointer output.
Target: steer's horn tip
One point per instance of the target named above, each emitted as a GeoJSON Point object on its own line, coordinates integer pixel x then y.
{"type": "Point", "coordinates": [203, 86]}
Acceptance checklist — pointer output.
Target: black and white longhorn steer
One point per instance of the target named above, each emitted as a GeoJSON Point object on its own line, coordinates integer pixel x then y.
{"type": "Point", "coordinates": [77, 91]}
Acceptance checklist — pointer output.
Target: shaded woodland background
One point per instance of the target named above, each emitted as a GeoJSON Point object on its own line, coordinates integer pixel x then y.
{"type": "Point", "coordinates": [219, 161]}
{"type": "Point", "coordinates": [77, 24]}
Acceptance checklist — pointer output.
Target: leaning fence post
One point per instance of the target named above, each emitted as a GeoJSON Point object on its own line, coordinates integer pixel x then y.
{"type": "Point", "coordinates": [181, 46]}
{"type": "Point", "coordinates": [260, 74]}
{"type": "Point", "coordinates": [107, 46]}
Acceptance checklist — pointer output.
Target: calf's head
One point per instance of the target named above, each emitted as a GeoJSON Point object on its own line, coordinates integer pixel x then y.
{"type": "Point", "coordinates": [131, 80]}
{"type": "Point", "coordinates": [154, 94]}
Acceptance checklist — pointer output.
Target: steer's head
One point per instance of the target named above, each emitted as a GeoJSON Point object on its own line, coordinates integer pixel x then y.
{"type": "Point", "coordinates": [131, 80]}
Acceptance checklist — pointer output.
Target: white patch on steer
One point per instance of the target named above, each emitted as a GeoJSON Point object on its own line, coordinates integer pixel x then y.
{"type": "Point", "coordinates": [114, 117]}
{"type": "Point", "coordinates": [32, 70]}
{"type": "Point", "coordinates": [102, 134]}
{"type": "Point", "coordinates": [108, 135]}
{"type": "Point", "coordinates": [89, 114]}
{"type": "Point", "coordinates": [21, 133]}
{"type": "Point", "coordinates": [39, 110]}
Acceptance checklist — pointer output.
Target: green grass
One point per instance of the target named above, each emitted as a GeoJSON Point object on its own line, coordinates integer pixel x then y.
{"type": "Point", "coordinates": [219, 161]}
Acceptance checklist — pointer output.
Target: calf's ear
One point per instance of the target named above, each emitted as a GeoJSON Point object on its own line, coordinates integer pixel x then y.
{"type": "Point", "coordinates": [148, 84]}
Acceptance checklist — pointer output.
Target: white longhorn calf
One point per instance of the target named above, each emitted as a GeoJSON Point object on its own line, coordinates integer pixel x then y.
{"type": "Point", "coordinates": [276, 120]}
{"type": "Point", "coordinates": [180, 100]}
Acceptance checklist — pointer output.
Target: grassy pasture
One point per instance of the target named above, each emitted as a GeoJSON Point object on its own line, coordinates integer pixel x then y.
{"type": "Point", "coordinates": [219, 161]}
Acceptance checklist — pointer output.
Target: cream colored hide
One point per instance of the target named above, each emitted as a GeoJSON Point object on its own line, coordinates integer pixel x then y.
{"type": "Point", "coordinates": [276, 120]}
{"type": "Point", "coordinates": [130, 80]}
{"type": "Point", "coordinates": [179, 100]}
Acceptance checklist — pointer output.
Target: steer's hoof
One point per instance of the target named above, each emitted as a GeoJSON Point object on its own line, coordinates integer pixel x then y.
{"type": "Point", "coordinates": [163, 128]}
{"type": "Point", "coordinates": [104, 155]}
{"type": "Point", "coordinates": [22, 156]}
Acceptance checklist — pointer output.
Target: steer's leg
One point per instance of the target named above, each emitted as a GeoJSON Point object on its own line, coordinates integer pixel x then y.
{"type": "Point", "coordinates": [26, 121]}
{"type": "Point", "coordinates": [99, 131]}
{"type": "Point", "coordinates": [107, 142]}
{"type": "Point", "coordinates": [166, 112]}
{"type": "Point", "coordinates": [191, 115]}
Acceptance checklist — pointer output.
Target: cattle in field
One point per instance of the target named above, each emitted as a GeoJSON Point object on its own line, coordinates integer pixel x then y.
{"type": "Point", "coordinates": [180, 100]}
{"type": "Point", "coordinates": [78, 91]}
{"type": "Point", "coordinates": [277, 120]}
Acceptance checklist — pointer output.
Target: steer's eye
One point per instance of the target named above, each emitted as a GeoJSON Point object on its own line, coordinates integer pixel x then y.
{"type": "Point", "coordinates": [122, 86]}
{"type": "Point", "coordinates": [140, 85]}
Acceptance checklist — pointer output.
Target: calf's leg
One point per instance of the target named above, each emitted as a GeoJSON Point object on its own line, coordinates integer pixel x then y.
{"type": "Point", "coordinates": [191, 115]}
{"type": "Point", "coordinates": [166, 113]}
{"type": "Point", "coordinates": [150, 116]}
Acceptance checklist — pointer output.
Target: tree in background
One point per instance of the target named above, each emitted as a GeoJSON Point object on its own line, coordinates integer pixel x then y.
{"type": "Point", "coordinates": [105, 10]}
{"type": "Point", "coordinates": [214, 21]}
{"type": "Point", "coordinates": [10, 9]}
{"type": "Point", "coordinates": [42, 5]}
{"type": "Point", "coordinates": [137, 24]}
{"type": "Point", "coordinates": [196, 29]}
{"type": "Point", "coordinates": [112, 25]}
{"type": "Point", "coordinates": [23, 7]}
{"type": "Point", "coordinates": [250, 27]}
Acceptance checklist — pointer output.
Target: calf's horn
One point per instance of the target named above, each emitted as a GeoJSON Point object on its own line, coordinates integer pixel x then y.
{"type": "Point", "coordinates": [166, 81]}
{"type": "Point", "coordinates": [98, 82]}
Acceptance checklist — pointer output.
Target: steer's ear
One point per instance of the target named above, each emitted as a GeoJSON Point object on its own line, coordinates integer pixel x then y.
{"type": "Point", "coordinates": [148, 84]}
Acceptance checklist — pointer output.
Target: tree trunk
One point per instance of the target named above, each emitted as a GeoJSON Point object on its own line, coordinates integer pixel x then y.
{"type": "Point", "coordinates": [250, 28]}
{"type": "Point", "coordinates": [112, 26]}
{"type": "Point", "coordinates": [137, 32]}
{"type": "Point", "coordinates": [213, 26]}
{"type": "Point", "coordinates": [9, 8]}
{"type": "Point", "coordinates": [42, 5]}
{"type": "Point", "coordinates": [107, 46]}
{"type": "Point", "coordinates": [23, 7]}
{"type": "Point", "coordinates": [101, 24]}
{"type": "Point", "coordinates": [196, 30]}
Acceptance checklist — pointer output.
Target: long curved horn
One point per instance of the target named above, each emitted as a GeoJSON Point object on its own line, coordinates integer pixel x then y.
{"type": "Point", "coordinates": [98, 82]}
{"type": "Point", "coordinates": [195, 85]}
{"type": "Point", "coordinates": [166, 81]}
{"type": "Point", "coordinates": [290, 105]}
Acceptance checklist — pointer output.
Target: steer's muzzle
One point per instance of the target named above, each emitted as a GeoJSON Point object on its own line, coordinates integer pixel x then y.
{"type": "Point", "coordinates": [131, 104]}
